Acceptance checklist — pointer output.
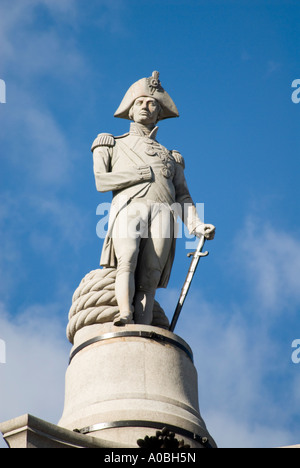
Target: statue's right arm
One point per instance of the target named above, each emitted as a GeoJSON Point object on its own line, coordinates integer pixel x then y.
{"type": "Point", "coordinates": [106, 180]}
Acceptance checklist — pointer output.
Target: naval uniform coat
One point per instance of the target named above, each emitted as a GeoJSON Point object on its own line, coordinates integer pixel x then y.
{"type": "Point", "coordinates": [135, 166]}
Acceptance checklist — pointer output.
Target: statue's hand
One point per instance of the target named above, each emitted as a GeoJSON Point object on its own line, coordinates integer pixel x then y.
{"type": "Point", "coordinates": [145, 172]}
{"type": "Point", "coordinates": [206, 230]}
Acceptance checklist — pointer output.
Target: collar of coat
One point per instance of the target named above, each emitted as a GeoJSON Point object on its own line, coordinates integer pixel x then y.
{"type": "Point", "coordinates": [141, 130]}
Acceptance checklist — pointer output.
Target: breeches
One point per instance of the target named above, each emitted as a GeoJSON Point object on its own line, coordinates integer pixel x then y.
{"type": "Point", "coordinates": [142, 237]}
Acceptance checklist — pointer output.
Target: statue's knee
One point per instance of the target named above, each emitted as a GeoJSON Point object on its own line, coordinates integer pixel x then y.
{"type": "Point", "coordinates": [125, 267]}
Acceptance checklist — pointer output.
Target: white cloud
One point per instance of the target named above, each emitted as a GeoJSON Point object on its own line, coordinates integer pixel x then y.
{"type": "Point", "coordinates": [34, 140]}
{"type": "Point", "coordinates": [17, 18]}
{"type": "Point", "coordinates": [10, 251]}
{"type": "Point", "coordinates": [272, 67]}
{"type": "Point", "coordinates": [41, 152]}
{"type": "Point", "coordinates": [270, 260]}
{"type": "Point", "coordinates": [110, 16]}
{"type": "Point", "coordinates": [237, 346]}
{"type": "Point", "coordinates": [41, 229]}
{"type": "Point", "coordinates": [235, 354]}
{"type": "Point", "coordinates": [32, 380]}
{"type": "Point", "coordinates": [64, 217]}
{"type": "Point", "coordinates": [239, 433]}
{"type": "Point", "coordinates": [232, 343]}
{"type": "Point", "coordinates": [33, 49]}
{"type": "Point", "coordinates": [236, 360]}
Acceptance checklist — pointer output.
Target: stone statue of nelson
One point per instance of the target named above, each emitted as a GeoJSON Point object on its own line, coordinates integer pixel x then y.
{"type": "Point", "coordinates": [147, 181]}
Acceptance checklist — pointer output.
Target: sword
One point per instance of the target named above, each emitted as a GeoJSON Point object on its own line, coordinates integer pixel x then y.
{"type": "Point", "coordinates": [185, 289]}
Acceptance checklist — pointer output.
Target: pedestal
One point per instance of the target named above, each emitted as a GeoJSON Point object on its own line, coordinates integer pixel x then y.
{"type": "Point", "coordinates": [125, 383]}
{"type": "Point", "coordinates": [27, 431]}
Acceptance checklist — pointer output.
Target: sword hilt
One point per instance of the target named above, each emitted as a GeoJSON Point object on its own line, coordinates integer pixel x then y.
{"type": "Point", "coordinates": [197, 254]}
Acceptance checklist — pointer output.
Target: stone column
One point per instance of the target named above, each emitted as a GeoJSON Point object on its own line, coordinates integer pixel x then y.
{"type": "Point", "coordinates": [125, 383]}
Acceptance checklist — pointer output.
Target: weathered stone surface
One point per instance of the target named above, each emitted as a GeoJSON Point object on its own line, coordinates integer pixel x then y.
{"type": "Point", "coordinates": [149, 191]}
{"type": "Point", "coordinates": [27, 431]}
{"type": "Point", "coordinates": [134, 373]}
{"type": "Point", "coordinates": [94, 302]}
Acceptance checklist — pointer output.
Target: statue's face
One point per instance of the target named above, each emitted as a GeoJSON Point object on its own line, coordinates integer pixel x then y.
{"type": "Point", "coordinates": [145, 110]}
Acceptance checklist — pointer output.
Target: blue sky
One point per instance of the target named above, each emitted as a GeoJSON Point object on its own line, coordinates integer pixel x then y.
{"type": "Point", "coordinates": [229, 67]}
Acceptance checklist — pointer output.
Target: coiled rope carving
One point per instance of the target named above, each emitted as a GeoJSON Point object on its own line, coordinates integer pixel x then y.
{"type": "Point", "coordinates": [94, 302]}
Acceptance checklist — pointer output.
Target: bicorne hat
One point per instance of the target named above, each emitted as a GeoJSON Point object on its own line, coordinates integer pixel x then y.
{"type": "Point", "coordinates": [150, 87]}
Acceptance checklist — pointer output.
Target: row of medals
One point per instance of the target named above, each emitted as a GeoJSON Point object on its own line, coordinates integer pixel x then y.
{"type": "Point", "coordinates": [154, 148]}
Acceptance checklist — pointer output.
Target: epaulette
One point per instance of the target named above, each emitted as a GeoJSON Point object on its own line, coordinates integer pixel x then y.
{"type": "Point", "coordinates": [103, 139]}
{"type": "Point", "coordinates": [178, 158]}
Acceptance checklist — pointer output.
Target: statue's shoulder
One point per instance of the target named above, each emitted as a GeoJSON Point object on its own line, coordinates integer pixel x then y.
{"type": "Point", "coordinates": [178, 158]}
{"type": "Point", "coordinates": [103, 139]}
{"type": "Point", "coordinates": [106, 139]}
